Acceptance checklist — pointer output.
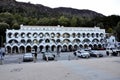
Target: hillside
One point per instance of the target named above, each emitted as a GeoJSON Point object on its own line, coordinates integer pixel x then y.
{"type": "Point", "coordinates": [38, 10]}
{"type": "Point", "coordinates": [78, 13]}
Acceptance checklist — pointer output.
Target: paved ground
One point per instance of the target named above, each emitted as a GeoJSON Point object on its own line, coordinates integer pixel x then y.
{"type": "Point", "coordinates": [106, 68]}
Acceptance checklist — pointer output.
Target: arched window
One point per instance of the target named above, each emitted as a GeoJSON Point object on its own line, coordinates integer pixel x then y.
{"type": "Point", "coordinates": [58, 35]}
{"type": "Point", "coordinates": [41, 35]}
{"type": "Point", "coordinates": [58, 41]}
{"type": "Point", "coordinates": [52, 35]}
{"type": "Point", "coordinates": [86, 41]}
{"type": "Point", "coordinates": [66, 41]}
{"type": "Point", "coordinates": [76, 41]}
{"type": "Point", "coordinates": [66, 35]}
{"type": "Point", "coordinates": [40, 41]}
{"type": "Point", "coordinates": [35, 41]}
{"type": "Point", "coordinates": [23, 35]}
{"type": "Point", "coordinates": [101, 34]}
{"type": "Point", "coordinates": [16, 35]}
{"type": "Point", "coordinates": [35, 35]}
{"type": "Point", "coordinates": [23, 41]}
{"type": "Point", "coordinates": [47, 41]}
{"type": "Point", "coordinates": [93, 35]}
{"type": "Point", "coordinates": [29, 35]}
{"type": "Point", "coordinates": [83, 35]}
{"type": "Point", "coordinates": [29, 41]}
{"type": "Point", "coordinates": [10, 35]}
{"type": "Point", "coordinates": [95, 40]}
{"type": "Point", "coordinates": [78, 35]}
{"type": "Point", "coordinates": [73, 35]}
{"type": "Point", "coordinates": [88, 35]}
{"type": "Point", "coordinates": [53, 40]}
{"type": "Point", "coordinates": [47, 35]}
{"type": "Point", "coordinates": [13, 41]}
{"type": "Point", "coordinates": [97, 34]}
{"type": "Point", "coordinates": [101, 40]}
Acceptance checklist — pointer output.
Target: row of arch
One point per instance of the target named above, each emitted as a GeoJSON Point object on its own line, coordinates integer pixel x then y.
{"type": "Point", "coordinates": [36, 41]}
{"type": "Point", "coordinates": [52, 35]}
{"type": "Point", "coordinates": [53, 48]}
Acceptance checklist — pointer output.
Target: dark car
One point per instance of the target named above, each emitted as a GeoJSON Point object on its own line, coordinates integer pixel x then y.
{"type": "Point", "coordinates": [28, 57]}
{"type": "Point", "coordinates": [48, 56]}
{"type": "Point", "coordinates": [95, 54]}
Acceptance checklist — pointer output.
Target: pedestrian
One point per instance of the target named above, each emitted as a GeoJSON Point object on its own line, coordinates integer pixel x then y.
{"type": "Point", "coordinates": [3, 54]}
{"type": "Point", "coordinates": [0, 56]}
{"type": "Point", "coordinates": [35, 54]}
{"type": "Point", "coordinates": [75, 54]}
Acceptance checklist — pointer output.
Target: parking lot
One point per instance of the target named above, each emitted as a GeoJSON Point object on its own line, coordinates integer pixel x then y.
{"type": "Point", "coordinates": [18, 58]}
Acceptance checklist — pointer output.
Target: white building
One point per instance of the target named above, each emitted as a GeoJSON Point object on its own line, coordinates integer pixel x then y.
{"type": "Point", "coordinates": [53, 38]}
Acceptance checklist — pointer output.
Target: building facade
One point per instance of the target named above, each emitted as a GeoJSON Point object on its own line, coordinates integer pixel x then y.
{"type": "Point", "coordinates": [53, 38]}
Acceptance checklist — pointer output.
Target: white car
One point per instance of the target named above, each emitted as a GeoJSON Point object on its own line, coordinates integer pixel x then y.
{"type": "Point", "coordinates": [82, 53]}
{"type": "Point", "coordinates": [28, 57]}
{"type": "Point", "coordinates": [48, 56]}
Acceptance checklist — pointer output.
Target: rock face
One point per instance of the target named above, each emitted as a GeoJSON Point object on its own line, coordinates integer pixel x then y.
{"type": "Point", "coordinates": [38, 10]}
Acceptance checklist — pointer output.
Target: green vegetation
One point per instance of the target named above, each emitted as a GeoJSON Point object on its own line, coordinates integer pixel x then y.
{"type": "Point", "coordinates": [13, 13]}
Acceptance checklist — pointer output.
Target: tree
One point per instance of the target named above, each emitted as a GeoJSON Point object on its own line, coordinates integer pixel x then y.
{"type": "Point", "coordinates": [15, 26]}
{"type": "Point", "coordinates": [117, 29]}
{"type": "Point", "coordinates": [3, 27]}
{"type": "Point", "coordinates": [110, 30]}
{"type": "Point", "coordinates": [43, 21]}
{"type": "Point", "coordinates": [53, 22]}
{"type": "Point", "coordinates": [73, 21]}
{"type": "Point", "coordinates": [83, 21]}
{"type": "Point", "coordinates": [7, 18]}
{"type": "Point", "coordinates": [63, 21]}
{"type": "Point", "coordinates": [100, 25]}
{"type": "Point", "coordinates": [33, 21]}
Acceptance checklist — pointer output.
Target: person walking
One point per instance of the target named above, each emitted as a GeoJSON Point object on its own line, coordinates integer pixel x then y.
{"type": "Point", "coordinates": [1, 55]}
{"type": "Point", "coordinates": [35, 55]}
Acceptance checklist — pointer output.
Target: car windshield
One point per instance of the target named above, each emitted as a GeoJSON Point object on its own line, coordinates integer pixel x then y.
{"type": "Point", "coordinates": [28, 54]}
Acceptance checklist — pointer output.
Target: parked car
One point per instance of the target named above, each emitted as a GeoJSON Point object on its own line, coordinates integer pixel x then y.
{"type": "Point", "coordinates": [112, 51]}
{"type": "Point", "coordinates": [82, 54]}
{"type": "Point", "coordinates": [48, 55]}
{"type": "Point", "coordinates": [28, 57]}
{"type": "Point", "coordinates": [95, 53]}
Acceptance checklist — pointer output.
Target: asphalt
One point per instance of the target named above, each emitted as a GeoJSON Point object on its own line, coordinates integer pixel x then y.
{"type": "Point", "coordinates": [89, 73]}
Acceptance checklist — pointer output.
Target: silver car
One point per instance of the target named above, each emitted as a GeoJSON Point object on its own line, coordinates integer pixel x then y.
{"type": "Point", "coordinates": [28, 57]}
{"type": "Point", "coordinates": [82, 53]}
